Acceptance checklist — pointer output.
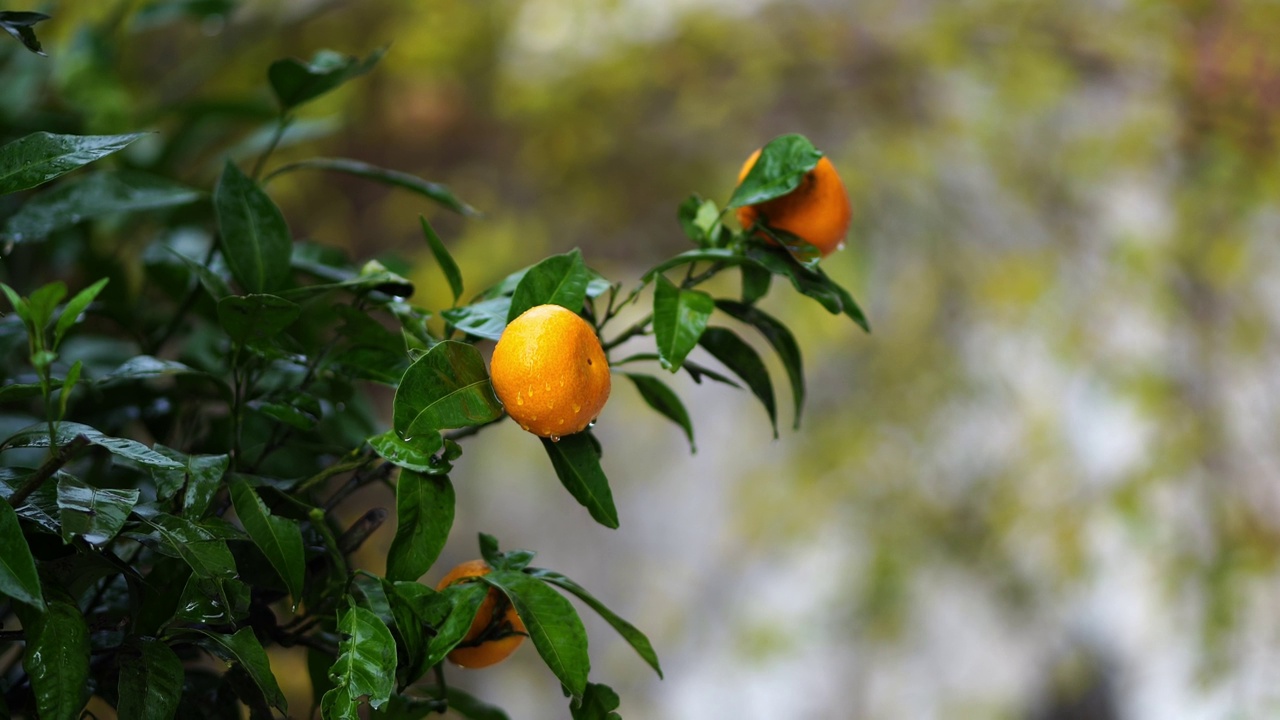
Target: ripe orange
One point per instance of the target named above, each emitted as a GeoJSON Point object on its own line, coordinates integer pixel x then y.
{"type": "Point", "coordinates": [550, 372]}
{"type": "Point", "coordinates": [818, 211]}
{"type": "Point", "coordinates": [490, 640]}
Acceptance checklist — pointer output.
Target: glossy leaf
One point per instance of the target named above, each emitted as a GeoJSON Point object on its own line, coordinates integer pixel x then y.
{"type": "Point", "coordinates": [443, 259]}
{"type": "Point", "coordinates": [91, 196]}
{"type": "Point", "coordinates": [366, 665]}
{"type": "Point", "coordinates": [146, 367]}
{"type": "Point", "coordinates": [208, 279]}
{"type": "Point", "coordinates": [745, 362]}
{"type": "Point", "coordinates": [69, 385]}
{"type": "Point", "coordinates": [484, 319]}
{"type": "Point", "coordinates": [151, 678]}
{"type": "Point", "coordinates": [811, 283]}
{"type": "Point", "coordinates": [782, 341]}
{"type": "Point", "coordinates": [576, 460]}
{"type": "Point", "coordinates": [597, 703]}
{"type": "Point", "coordinates": [465, 599]}
{"type": "Point", "coordinates": [724, 256]}
{"type": "Point", "coordinates": [244, 649]}
{"type": "Point", "coordinates": [417, 610]}
{"type": "Point", "coordinates": [206, 554]}
{"type": "Point", "coordinates": [279, 539]}
{"type": "Point", "coordinates": [18, 577]}
{"type": "Point", "coordinates": [57, 659]}
{"type": "Point", "coordinates": [38, 436]}
{"type": "Point", "coordinates": [74, 308]}
{"type": "Point", "coordinates": [424, 513]}
{"type": "Point", "coordinates": [256, 319]}
{"type": "Point", "coordinates": [197, 477]}
{"type": "Point", "coordinates": [434, 191]}
{"type": "Point", "coordinates": [448, 387]}
{"type": "Point", "coordinates": [18, 23]}
{"type": "Point", "coordinates": [40, 157]}
{"type": "Point", "coordinates": [20, 306]}
{"type": "Point", "coordinates": [93, 514]}
{"type": "Point", "coordinates": [755, 282]}
{"type": "Point", "coordinates": [780, 169]}
{"type": "Point", "coordinates": [552, 624]}
{"type": "Point", "coordinates": [44, 301]}
{"type": "Point", "coordinates": [658, 396]}
{"type": "Point", "coordinates": [679, 317]}
{"type": "Point", "coordinates": [559, 280]}
{"type": "Point", "coordinates": [296, 82]}
{"type": "Point", "coordinates": [418, 455]}
{"type": "Point", "coordinates": [255, 238]}
{"type": "Point", "coordinates": [212, 601]}
{"type": "Point", "coordinates": [629, 632]}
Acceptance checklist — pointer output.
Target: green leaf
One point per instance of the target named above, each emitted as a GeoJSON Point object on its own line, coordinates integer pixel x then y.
{"type": "Point", "coordinates": [448, 387]}
{"type": "Point", "coordinates": [700, 220]}
{"type": "Point", "coordinates": [146, 367]}
{"type": "Point", "coordinates": [471, 707]}
{"type": "Point", "coordinates": [433, 191]}
{"type": "Point", "coordinates": [658, 396]}
{"type": "Point", "coordinates": [20, 306]}
{"type": "Point", "coordinates": [418, 456]}
{"type": "Point", "coordinates": [366, 665]}
{"type": "Point", "coordinates": [484, 319]}
{"type": "Point", "coordinates": [782, 341]}
{"type": "Point", "coordinates": [91, 196]}
{"type": "Point", "coordinates": [18, 578]}
{"type": "Point", "coordinates": [24, 391]}
{"type": "Point", "coordinates": [465, 599]}
{"type": "Point", "coordinates": [69, 384]}
{"type": "Point", "coordinates": [151, 678]}
{"type": "Point", "coordinates": [38, 436]}
{"type": "Point", "coordinates": [745, 362]}
{"type": "Point", "coordinates": [755, 282]}
{"type": "Point", "coordinates": [576, 460]}
{"type": "Point", "coordinates": [93, 514]}
{"type": "Point", "coordinates": [208, 279]}
{"type": "Point", "coordinates": [552, 623]}
{"type": "Point", "coordinates": [558, 280]}
{"type": "Point", "coordinates": [40, 157]}
{"type": "Point", "coordinates": [725, 256]}
{"type": "Point", "coordinates": [802, 251]}
{"type": "Point", "coordinates": [597, 703]}
{"type": "Point", "coordinates": [18, 24]}
{"type": "Point", "coordinates": [212, 601]}
{"type": "Point", "coordinates": [679, 317]}
{"type": "Point", "coordinates": [780, 169]}
{"type": "Point", "coordinates": [811, 283]}
{"type": "Point", "coordinates": [206, 554]}
{"type": "Point", "coordinates": [296, 82]}
{"type": "Point", "coordinates": [373, 276]}
{"type": "Point", "coordinates": [628, 631]}
{"type": "Point", "coordinates": [244, 649]}
{"type": "Point", "coordinates": [254, 236]}
{"type": "Point", "coordinates": [418, 610]}
{"type": "Point", "coordinates": [443, 258]}
{"type": "Point", "coordinates": [424, 513]}
{"type": "Point", "coordinates": [57, 659]}
{"type": "Point", "coordinates": [256, 319]}
{"type": "Point", "coordinates": [43, 302]}
{"type": "Point", "coordinates": [279, 539]}
{"type": "Point", "coordinates": [198, 477]}
{"type": "Point", "coordinates": [77, 305]}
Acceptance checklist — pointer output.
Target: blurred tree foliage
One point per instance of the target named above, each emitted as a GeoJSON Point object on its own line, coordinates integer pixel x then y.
{"type": "Point", "coordinates": [1066, 229]}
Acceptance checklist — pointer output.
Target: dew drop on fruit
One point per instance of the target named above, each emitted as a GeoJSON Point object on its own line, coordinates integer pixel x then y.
{"type": "Point", "coordinates": [840, 246]}
{"type": "Point", "coordinates": [577, 408]}
{"type": "Point", "coordinates": [592, 423]}
{"type": "Point", "coordinates": [555, 438]}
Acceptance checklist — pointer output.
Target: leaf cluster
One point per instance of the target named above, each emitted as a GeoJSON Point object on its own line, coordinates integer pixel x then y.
{"type": "Point", "coordinates": [178, 432]}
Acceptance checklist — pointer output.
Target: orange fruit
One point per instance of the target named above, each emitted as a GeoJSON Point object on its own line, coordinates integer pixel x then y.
{"type": "Point", "coordinates": [550, 372]}
{"type": "Point", "coordinates": [490, 640]}
{"type": "Point", "coordinates": [818, 211]}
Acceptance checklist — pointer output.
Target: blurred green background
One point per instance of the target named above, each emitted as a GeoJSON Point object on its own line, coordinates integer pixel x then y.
{"type": "Point", "coordinates": [1045, 487]}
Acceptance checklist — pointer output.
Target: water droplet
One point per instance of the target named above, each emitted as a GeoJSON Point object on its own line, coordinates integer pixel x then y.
{"type": "Point", "coordinates": [577, 408]}
{"type": "Point", "coordinates": [555, 438]}
{"type": "Point", "coordinates": [548, 387]}
{"type": "Point", "coordinates": [519, 399]}
{"type": "Point", "coordinates": [592, 423]}
{"type": "Point", "coordinates": [533, 417]}
{"type": "Point", "coordinates": [840, 246]}
{"type": "Point", "coordinates": [524, 427]}
{"type": "Point", "coordinates": [531, 389]}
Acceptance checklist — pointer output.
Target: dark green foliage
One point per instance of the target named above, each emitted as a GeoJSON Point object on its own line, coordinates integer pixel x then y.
{"type": "Point", "coordinates": [185, 413]}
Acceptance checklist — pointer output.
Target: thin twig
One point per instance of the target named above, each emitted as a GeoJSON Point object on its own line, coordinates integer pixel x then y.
{"type": "Point", "coordinates": [47, 470]}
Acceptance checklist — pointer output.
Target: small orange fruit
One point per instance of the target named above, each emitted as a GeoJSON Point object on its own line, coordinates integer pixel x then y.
{"type": "Point", "coordinates": [490, 640]}
{"type": "Point", "coordinates": [550, 372]}
{"type": "Point", "coordinates": [818, 211]}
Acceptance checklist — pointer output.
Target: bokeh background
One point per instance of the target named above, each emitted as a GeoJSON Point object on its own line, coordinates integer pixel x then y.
{"type": "Point", "coordinates": [1045, 487]}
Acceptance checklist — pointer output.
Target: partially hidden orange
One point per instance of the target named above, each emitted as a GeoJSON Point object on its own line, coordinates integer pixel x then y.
{"type": "Point", "coordinates": [497, 630]}
{"type": "Point", "coordinates": [550, 371]}
{"type": "Point", "coordinates": [818, 211]}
